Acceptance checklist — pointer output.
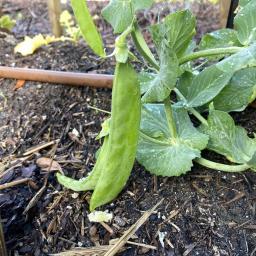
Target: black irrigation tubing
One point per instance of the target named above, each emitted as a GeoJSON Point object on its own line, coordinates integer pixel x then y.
{"type": "Point", "coordinates": [231, 14]}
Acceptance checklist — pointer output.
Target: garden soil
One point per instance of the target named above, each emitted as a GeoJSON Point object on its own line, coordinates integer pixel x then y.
{"type": "Point", "coordinates": [204, 212]}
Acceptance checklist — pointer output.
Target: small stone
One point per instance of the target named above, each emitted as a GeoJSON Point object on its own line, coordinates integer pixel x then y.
{"type": "Point", "coordinates": [119, 221]}
{"type": "Point", "coordinates": [75, 132]}
{"type": "Point", "coordinates": [75, 195]}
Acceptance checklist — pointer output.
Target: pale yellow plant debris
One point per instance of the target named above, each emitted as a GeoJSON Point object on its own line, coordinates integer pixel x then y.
{"type": "Point", "coordinates": [100, 216]}
{"type": "Point", "coordinates": [31, 44]}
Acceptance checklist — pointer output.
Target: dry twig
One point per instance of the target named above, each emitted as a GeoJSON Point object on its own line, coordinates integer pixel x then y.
{"type": "Point", "coordinates": [39, 147]}
{"type": "Point", "coordinates": [36, 197]}
{"type": "Point", "coordinates": [14, 183]}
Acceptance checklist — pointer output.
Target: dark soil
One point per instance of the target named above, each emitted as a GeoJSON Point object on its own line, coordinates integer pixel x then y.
{"type": "Point", "coordinates": [210, 213]}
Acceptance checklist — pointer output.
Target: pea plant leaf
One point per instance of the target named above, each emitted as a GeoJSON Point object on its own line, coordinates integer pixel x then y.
{"type": "Point", "coordinates": [120, 13]}
{"type": "Point", "coordinates": [161, 154]}
{"type": "Point", "coordinates": [245, 23]}
{"type": "Point", "coordinates": [176, 30]}
{"type": "Point", "coordinates": [228, 139]}
{"type": "Point", "coordinates": [242, 3]}
{"type": "Point", "coordinates": [145, 79]}
{"type": "Point", "coordinates": [87, 26]}
{"type": "Point", "coordinates": [240, 91]}
{"type": "Point", "coordinates": [184, 83]}
{"type": "Point", "coordinates": [165, 80]}
{"type": "Point", "coordinates": [210, 82]}
{"type": "Point", "coordinates": [219, 39]}
{"type": "Point", "coordinates": [206, 86]}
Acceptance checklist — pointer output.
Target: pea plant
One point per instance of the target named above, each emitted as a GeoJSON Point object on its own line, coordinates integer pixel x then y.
{"type": "Point", "coordinates": [152, 110]}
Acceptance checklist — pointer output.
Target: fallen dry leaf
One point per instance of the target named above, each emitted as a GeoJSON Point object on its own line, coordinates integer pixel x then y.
{"type": "Point", "coordinates": [45, 163]}
{"type": "Point", "coordinates": [19, 84]}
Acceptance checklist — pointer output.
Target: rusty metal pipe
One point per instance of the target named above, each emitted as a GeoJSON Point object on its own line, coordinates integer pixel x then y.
{"type": "Point", "coordinates": [57, 77]}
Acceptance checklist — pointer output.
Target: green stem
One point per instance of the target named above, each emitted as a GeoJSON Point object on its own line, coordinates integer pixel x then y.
{"type": "Point", "coordinates": [209, 52]}
{"type": "Point", "coordinates": [177, 91]}
{"type": "Point", "coordinates": [145, 136]}
{"type": "Point", "coordinates": [192, 110]}
{"type": "Point", "coordinates": [170, 118]}
{"type": "Point", "coordinates": [222, 167]}
{"type": "Point", "coordinates": [198, 116]}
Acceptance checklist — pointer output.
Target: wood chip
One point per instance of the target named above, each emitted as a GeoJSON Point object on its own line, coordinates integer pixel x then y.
{"type": "Point", "coordinates": [47, 164]}
{"type": "Point", "coordinates": [107, 227]}
{"type": "Point", "coordinates": [237, 197]}
{"type": "Point", "coordinates": [199, 190]}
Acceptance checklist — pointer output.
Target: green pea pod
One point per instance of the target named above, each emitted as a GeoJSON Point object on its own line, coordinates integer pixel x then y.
{"type": "Point", "coordinates": [91, 180]}
{"type": "Point", "coordinates": [142, 46]}
{"type": "Point", "coordinates": [123, 136]}
{"type": "Point", "coordinates": [87, 26]}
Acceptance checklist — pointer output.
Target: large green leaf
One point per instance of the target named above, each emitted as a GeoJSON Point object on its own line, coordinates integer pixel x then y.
{"type": "Point", "coordinates": [145, 79]}
{"type": "Point", "coordinates": [245, 23]}
{"type": "Point", "coordinates": [158, 151]}
{"type": "Point", "coordinates": [165, 80]}
{"type": "Point", "coordinates": [228, 139]}
{"type": "Point", "coordinates": [87, 26]}
{"type": "Point", "coordinates": [184, 83]}
{"type": "Point", "coordinates": [219, 39]}
{"type": "Point", "coordinates": [176, 30]}
{"type": "Point", "coordinates": [205, 86]}
{"type": "Point", "coordinates": [240, 91]}
{"type": "Point", "coordinates": [120, 13]}
{"type": "Point", "coordinates": [242, 3]}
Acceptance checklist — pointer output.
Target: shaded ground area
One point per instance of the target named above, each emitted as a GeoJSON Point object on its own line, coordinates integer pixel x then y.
{"type": "Point", "coordinates": [204, 212]}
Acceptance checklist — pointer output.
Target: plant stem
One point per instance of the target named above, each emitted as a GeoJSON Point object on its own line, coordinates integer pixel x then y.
{"type": "Point", "coordinates": [198, 116]}
{"type": "Point", "coordinates": [169, 117]}
{"type": "Point", "coordinates": [209, 52]}
{"type": "Point", "coordinates": [177, 91]}
{"type": "Point", "coordinates": [145, 136]}
{"type": "Point", "coordinates": [192, 110]}
{"type": "Point", "coordinates": [222, 167]}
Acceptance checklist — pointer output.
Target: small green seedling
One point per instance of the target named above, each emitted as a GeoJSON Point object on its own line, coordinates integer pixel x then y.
{"type": "Point", "coordinates": [6, 22]}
